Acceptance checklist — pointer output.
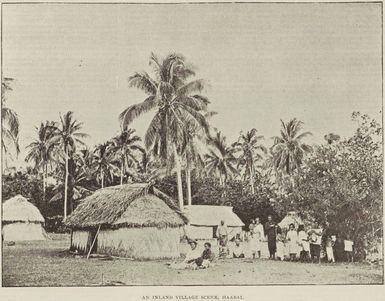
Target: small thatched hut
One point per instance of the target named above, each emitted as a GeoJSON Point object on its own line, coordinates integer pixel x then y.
{"type": "Point", "coordinates": [291, 217]}
{"type": "Point", "coordinates": [22, 220]}
{"type": "Point", "coordinates": [204, 221]}
{"type": "Point", "coordinates": [133, 220]}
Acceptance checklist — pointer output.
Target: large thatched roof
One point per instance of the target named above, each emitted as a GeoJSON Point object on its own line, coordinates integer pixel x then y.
{"type": "Point", "coordinates": [18, 209]}
{"type": "Point", "coordinates": [132, 205]}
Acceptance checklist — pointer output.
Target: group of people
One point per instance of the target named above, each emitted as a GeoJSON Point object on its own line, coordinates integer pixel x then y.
{"type": "Point", "coordinates": [292, 244]}
{"type": "Point", "coordinates": [295, 243]}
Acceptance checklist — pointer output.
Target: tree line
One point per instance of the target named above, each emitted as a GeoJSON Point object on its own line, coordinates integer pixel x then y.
{"type": "Point", "coordinates": [338, 183]}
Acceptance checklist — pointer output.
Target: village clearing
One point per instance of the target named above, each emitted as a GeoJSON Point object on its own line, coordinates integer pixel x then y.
{"type": "Point", "coordinates": [48, 263]}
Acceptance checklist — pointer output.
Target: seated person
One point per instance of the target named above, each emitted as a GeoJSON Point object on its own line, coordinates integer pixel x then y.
{"type": "Point", "coordinates": [237, 250]}
{"type": "Point", "coordinates": [190, 259]}
{"type": "Point", "coordinates": [206, 258]}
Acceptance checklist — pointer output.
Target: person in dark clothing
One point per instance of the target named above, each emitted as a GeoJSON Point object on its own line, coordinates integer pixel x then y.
{"type": "Point", "coordinates": [271, 232]}
{"type": "Point", "coordinates": [206, 258]}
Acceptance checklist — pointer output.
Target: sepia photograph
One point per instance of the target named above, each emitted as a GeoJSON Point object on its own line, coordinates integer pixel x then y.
{"type": "Point", "coordinates": [191, 144]}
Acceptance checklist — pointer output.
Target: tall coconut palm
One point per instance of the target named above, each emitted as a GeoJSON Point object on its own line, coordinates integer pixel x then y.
{"type": "Point", "coordinates": [221, 161]}
{"type": "Point", "coordinates": [9, 120]}
{"type": "Point", "coordinates": [125, 147]}
{"type": "Point", "coordinates": [194, 150]}
{"type": "Point", "coordinates": [251, 149]}
{"type": "Point", "coordinates": [288, 149]}
{"type": "Point", "coordinates": [103, 163]}
{"type": "Point", "coordinates": [175, 103]}
{"type": "Point", "coordinates": [68, 136]}
{"type": "Point", "coordinates": [42, 150]}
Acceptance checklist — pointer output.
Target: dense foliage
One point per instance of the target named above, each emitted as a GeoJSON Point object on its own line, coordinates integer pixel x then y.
{"type": "Point", "coordinates": [337, 185]}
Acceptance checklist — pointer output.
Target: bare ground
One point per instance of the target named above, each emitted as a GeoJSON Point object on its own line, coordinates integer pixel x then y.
{"type": "Point", "coordinates": [49, 264]}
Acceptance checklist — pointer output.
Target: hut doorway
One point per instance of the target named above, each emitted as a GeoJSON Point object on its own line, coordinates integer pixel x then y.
{"type": "Point", "coordinates": [92, 245]}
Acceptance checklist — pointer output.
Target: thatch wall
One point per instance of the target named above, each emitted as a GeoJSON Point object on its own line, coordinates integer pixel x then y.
{"type": "Point", "coordinates": [19, 231]}
{"type": "Point", "coordinates": [138, 243]}
{"type": "Point", "coordinates": [80, 240]}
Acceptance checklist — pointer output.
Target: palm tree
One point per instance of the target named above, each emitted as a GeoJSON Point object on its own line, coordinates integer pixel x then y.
{"type": "Point", "coordinates": [221, 161]}
{"type": "Point", "coordinates": [103, 162]}
{"type": "Point", "coordinates": [9, 120]}
{"type": "Point", "coordinates": [288, 149]}
{"type": "Point", "coordinates": [78, 178]}
{"type": "Point", "coordinates": [249, 146]}
{"type": "Point", "coordinates": [124, 146]}
{"type": "Point", "coordinates": [41, 151]}
{"type": "Point", "coordinates": [68, 136]}
{"type": "Point", "coordinates": [175, 103]}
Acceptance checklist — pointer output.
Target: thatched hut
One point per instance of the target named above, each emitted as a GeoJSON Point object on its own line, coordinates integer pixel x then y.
{"type": "Point", "coordinates": [204, 221]}
{"type": "Point", "coordinates": [133, 220]}
{"type": "Point", "coordinates": [291, 217]}
{"type": "Point", "coordinates": [22, 220]}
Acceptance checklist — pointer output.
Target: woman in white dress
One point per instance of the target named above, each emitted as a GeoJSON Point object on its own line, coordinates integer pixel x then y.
{"type": "Point", "coordinates": [258, 236]}
{"type": "Point", "coordinates": [292, 240]}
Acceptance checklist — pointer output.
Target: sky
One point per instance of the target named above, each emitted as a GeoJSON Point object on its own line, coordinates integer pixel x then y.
{"type": "Point", "coordinates": [263, 62]}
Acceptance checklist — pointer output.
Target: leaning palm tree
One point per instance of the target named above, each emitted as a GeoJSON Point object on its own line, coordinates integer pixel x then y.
{"type": "Point", "coordinates": [288, 149]}
{"type": "Point", "coordinates": [175, 103]}
{"type": "Point", "coordinates": [251, 151]}
{"type": "Point", "coordinates": [68, 137]}
{"type": "Point", "coordinates": [103, 163]}
{"type": "Point", "coordinates": [221, 161]}
{"type": "Point", "coordinates": [9, 120]}
{"type": "Point", "coordinates": [42, 150]}
{"type": "Point", "coordinates": [125, 147]}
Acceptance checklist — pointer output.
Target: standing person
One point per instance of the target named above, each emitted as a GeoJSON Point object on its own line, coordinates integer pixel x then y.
{"type": "Point", "coordinates": [280, 245]}
{"type": "Point", "coordinates": [222, 234]}
{"type": "Point", "coordinates": [258, 236]}
{"type": "Point", "coordinates": [315, 244]}
{"type": "Point", "coordinates": [348, 247]}
{"type": "Point", "coordinates": [329, 249]}
{"type": "Point", "coordinates": [271, 232]}
{"type": "Point", "coordinates": [292, 239]}
{"type": "Point", "coordinates": [251, 226]}
{"type": "Point", "coordinates": [303, 243]}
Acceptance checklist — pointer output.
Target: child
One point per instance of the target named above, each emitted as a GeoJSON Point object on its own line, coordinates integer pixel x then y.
{"type": "Point", "coordinates": [280, 245]}
{"type": "Point", "coordinates": [206, 258]}
{"type": "Point", "coordinates": [348, 247]}
{"type": "Point", "coordinates": [329, 249]}
{"type": "Point", "coordinates": [292, 239]}
{"type": "Point", "coordinates": [303, 243]}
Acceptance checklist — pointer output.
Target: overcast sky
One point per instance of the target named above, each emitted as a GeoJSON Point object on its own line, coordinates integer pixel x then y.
{"type": "Point", "coordinates": [264, 62]}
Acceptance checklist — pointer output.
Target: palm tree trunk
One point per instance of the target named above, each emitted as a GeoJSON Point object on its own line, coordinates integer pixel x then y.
{"type": "Point", "coordinates": [178, 177]}
{"type": "Point", "coordinates": [252, 179]}
{"type": "Point", "coordinates": [44, 183]}
{"type": "Point", "coordinates": [121, 172]}
{"type": "Point", "coordinates": [188, 182]}
{"type": "Point", "coordinates": [66, 184]}
{"type": "Point", "coordinates": [102, 177]}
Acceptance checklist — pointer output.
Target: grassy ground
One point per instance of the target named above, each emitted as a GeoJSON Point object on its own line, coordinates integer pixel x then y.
{"type": "Point", "coordinates": [48, 264]}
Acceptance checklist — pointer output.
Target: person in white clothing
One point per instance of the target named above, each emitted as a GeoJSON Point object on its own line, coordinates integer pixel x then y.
{"type": "Point", "coordinates": [258, 235]}
{"type": "Point", "coordinates": [237, 250]}
{"type": "Point", "coordinates": [348, 247]}
{"type": "Point", "coordinates": [292, 240]}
